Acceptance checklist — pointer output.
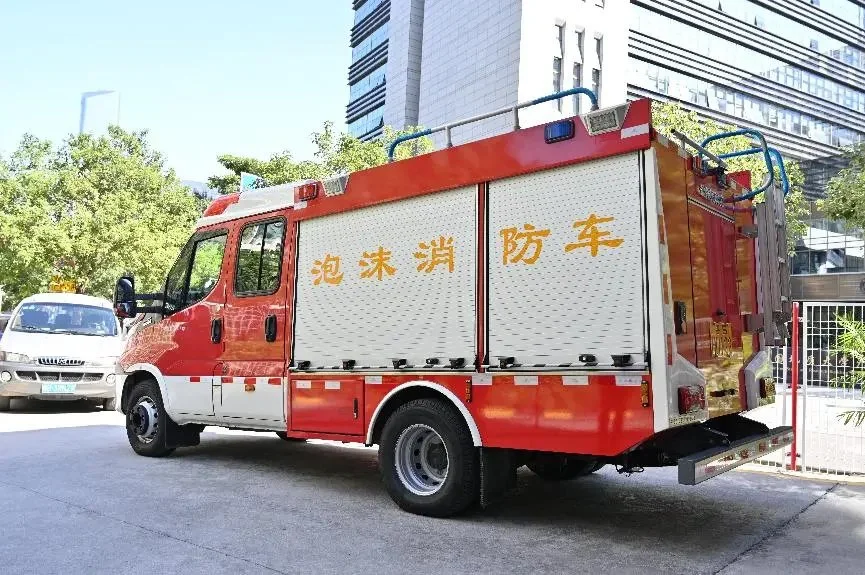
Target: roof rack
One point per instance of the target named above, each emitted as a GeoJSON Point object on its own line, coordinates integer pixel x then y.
{"type": "Point", "coordinates": [446, 128]}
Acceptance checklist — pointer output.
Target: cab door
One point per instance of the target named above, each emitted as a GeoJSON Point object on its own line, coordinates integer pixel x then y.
{"type": "Point", "coordinates": [187, 340]}
{"type": "Point", "coordinates": [252, 385]}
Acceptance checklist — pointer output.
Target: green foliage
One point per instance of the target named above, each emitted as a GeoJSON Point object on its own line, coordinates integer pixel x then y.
{"type": "Point", "coordinates": [335, 154]}
{"type": "Point", "coordinates": [851, 347]}
{"type": "Point", "coordinates": [845, 195]}
{"type": "Point", "coordinates": [89, 211]}
{"type": "Point", "coordinates": [667, 117]}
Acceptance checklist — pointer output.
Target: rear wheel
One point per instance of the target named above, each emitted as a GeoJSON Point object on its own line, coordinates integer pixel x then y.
{"type": "Point", "coordinates": [563, 467]}
{"type": "Point", "coordinates": [427, 460]}
{"type": "Point", "coordinates": [146, 421]}
{"type": "Point", "coordinates": [284, 436]}
{"type": "Point", "coordinates": [5, 402]}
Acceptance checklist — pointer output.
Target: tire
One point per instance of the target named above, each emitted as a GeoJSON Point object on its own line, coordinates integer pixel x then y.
{"type": "Point", "coordinates": [284, 436]}
{"type": "Point", "coordinates": [5, 403]}
{"type": "Point", "coordinates": [453, 483]}
{"type": "Point", "coordinates": [146, 421]}
{"type": "Point", "coordinates": [110, 404]}
{"type": "Point", "coordinates": [562, 467]}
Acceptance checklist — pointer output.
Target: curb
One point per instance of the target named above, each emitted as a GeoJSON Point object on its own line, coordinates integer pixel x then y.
{"type": "Point", "coordinates": [808, 475]}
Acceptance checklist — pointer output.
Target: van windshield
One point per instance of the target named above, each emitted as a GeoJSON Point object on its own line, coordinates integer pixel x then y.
{"type": "Point", "coordinates": [65, 318]}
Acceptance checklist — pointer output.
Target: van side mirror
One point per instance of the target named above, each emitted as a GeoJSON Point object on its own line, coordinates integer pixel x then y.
{"type": "Point", "coordinates": [125, 305]}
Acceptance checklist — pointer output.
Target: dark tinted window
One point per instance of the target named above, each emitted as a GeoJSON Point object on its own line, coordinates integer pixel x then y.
{"type": "Point", "coordinates": [195, 272]}
{"type": "Point", "coordinates": [259, 258]}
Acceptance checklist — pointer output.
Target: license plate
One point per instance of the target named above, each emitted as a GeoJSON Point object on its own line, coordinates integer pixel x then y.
{"type": "Point", "coordinates": [58, 388]}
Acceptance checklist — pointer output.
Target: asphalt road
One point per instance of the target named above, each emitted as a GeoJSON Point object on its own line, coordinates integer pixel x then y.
{"type": "Point", "coordinates": [75, 499]}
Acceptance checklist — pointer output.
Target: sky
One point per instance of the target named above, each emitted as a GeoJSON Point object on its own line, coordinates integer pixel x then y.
{"type": "Point", "coordinates": [204, 77]}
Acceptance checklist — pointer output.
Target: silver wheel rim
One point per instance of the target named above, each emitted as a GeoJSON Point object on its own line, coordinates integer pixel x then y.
{"type": "Point", "coordinates": [421, 459]}
{"type": "Point", "coordinates": [144, 419]}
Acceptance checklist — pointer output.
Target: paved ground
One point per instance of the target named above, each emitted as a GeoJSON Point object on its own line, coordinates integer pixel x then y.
{"type": "Point", "coordinates": [75, 499]}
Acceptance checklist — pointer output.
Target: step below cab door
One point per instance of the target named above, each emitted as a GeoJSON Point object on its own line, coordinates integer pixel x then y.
{"type": "Point", "coordinates": [252, 385]}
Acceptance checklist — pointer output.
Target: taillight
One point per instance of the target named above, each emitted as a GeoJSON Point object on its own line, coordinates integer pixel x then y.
{"type": "Point", "coordinates": [692, 398]}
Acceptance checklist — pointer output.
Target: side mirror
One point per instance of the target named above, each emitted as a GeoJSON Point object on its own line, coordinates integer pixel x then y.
{"type": "Point", "coordinates": [125, 305]}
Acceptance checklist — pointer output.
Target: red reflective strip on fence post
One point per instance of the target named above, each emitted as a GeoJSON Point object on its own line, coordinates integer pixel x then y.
{"type": "Point", "coordinates": [794, 383]}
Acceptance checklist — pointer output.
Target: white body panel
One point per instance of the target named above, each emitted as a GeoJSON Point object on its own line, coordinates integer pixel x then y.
{"type": "Point", "coordinates": [265, 403]}
{"type": "Point", "coordinates": [568, 303]}
{"type": "Point", "coordinates": [409, 314]}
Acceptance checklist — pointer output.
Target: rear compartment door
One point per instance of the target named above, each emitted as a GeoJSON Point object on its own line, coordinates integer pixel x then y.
{"type": "Point", "coordinates": [566, 265]}
{"type": "Point", "coordinates": [375, 285]}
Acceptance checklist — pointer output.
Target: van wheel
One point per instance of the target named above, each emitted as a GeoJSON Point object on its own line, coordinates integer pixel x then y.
{"type": "Point", "coordinates": [562, 467]}
{"type": "Point", "coordinates": [284, 436]}
{"type": "Point", "coordinates": [5, 403]}
{"type": "Point", "coordinates": [427, 460]}
{"type": "Point", "coordinates": [146, 421]}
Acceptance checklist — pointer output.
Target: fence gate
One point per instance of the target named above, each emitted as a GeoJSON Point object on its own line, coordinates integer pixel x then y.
{"type": "Point", "coordinates": [824, 444]}
{"type": "Point", "coordinates": [827, 445]}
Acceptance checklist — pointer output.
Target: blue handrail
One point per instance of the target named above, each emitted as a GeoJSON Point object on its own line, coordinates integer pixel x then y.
{"type": "Point", "coordinates": [513, 109]}
{"type": "Point", "coordinates": [762, 148]}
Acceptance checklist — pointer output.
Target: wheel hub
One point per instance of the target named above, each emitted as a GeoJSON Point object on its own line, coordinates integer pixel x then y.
{"type": "Point", "coordinates": [421, 460]}
{"type": "Point", "coordinates": [144, 419]}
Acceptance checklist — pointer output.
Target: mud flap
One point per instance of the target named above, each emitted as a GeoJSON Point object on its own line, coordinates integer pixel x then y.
{"type": "Point", "coordinates": [182, 435]}
{"type": "Point", "coordinates": [498, 474]}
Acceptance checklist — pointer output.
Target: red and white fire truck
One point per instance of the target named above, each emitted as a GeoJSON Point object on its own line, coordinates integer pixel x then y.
{"type": "Point", "coordinates": [564, 297]}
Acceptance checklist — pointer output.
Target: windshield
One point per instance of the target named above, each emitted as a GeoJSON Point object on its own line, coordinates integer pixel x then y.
{"type": "Point", "coordinates": [65, 318]}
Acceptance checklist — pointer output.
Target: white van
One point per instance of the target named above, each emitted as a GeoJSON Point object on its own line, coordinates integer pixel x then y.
{"type": "Point", "coordinates": [60, 346]}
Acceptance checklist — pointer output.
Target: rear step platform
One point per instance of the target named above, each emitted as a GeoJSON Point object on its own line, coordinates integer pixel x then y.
{"type": "Point", "coordinates": [699, 467]}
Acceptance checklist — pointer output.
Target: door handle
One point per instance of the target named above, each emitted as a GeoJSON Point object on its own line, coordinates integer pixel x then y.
{"type": "Point", "coordinates": [216, 330]}
{"type": "Point", "coordinates": [270, 328]}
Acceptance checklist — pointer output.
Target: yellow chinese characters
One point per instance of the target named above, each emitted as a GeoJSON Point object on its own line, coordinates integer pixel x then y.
{"type": "Point", "coordinates": [518, 243]}
{"type": "Point", "coordinates": [376, 264]}
{"type": "Point", "coordinates": [327, 270]}
{"type": "Point", "coordinates": [590, 237]}
{"type": "Point", "coordinates": [435, 253]}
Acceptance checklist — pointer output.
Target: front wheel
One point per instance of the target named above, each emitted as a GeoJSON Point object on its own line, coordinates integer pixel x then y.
{"type": "Point", "coordinates": [146, 421]}
{"type": "Point", "coordinates": [563, 467]}
{"type": "Point", "coordinates": [109, 404]}
{"type": "Point", "coordinates": [5, 403]}
{"type": "Point", "coordinates": [427, 460]}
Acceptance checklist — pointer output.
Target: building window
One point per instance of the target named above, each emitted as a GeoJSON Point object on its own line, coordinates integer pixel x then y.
{"type": "Point", "coordinates": [367, 83]}
{"type": "Point", "coordinates": [367, 123]}
{"type": "Point", "coordinates": [596, 72]}
{"type": "Point", "coordinates": [578, 69]}
{"type": "Point", "coordinates": [558, 55]}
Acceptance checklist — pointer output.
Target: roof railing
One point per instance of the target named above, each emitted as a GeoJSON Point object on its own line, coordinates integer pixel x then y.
{"type": "Point", "coordinates": [515, 110]}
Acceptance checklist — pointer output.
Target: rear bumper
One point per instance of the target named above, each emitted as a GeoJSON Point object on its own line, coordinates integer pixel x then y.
{"type": "Point", "coordinates": [699, 467]}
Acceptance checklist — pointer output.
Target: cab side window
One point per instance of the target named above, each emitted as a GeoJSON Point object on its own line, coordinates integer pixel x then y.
{"type": "Point", "coordinates": [259, 258]}
{"type": "Point", "coordinates": [195, 273]}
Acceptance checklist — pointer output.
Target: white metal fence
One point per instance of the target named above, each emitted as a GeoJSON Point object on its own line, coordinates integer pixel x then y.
{"type": "Point", "coordinates": [824, 443]}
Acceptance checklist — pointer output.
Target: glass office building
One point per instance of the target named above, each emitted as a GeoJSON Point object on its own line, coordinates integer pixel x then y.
{"type": "Point", "coordinates": [366, 75]}
{"type": "Point", "coordinates": [794, 69]}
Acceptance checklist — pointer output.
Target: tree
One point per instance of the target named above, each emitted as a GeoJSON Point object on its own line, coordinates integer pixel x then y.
{"type": "Point", "coordinates": [88, 211]}
{"type": "Point", "coordinates": [667, 117]}
{"type": "Point", "coordinates": [851, 348]}
{"type": "Point", "coordinates": [845, 195]}
{"type": "Point", "coordinates": [335, 154]}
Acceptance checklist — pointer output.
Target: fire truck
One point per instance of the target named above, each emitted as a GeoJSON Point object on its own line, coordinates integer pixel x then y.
{"type": "Point", "coordinates": [563, 297]}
